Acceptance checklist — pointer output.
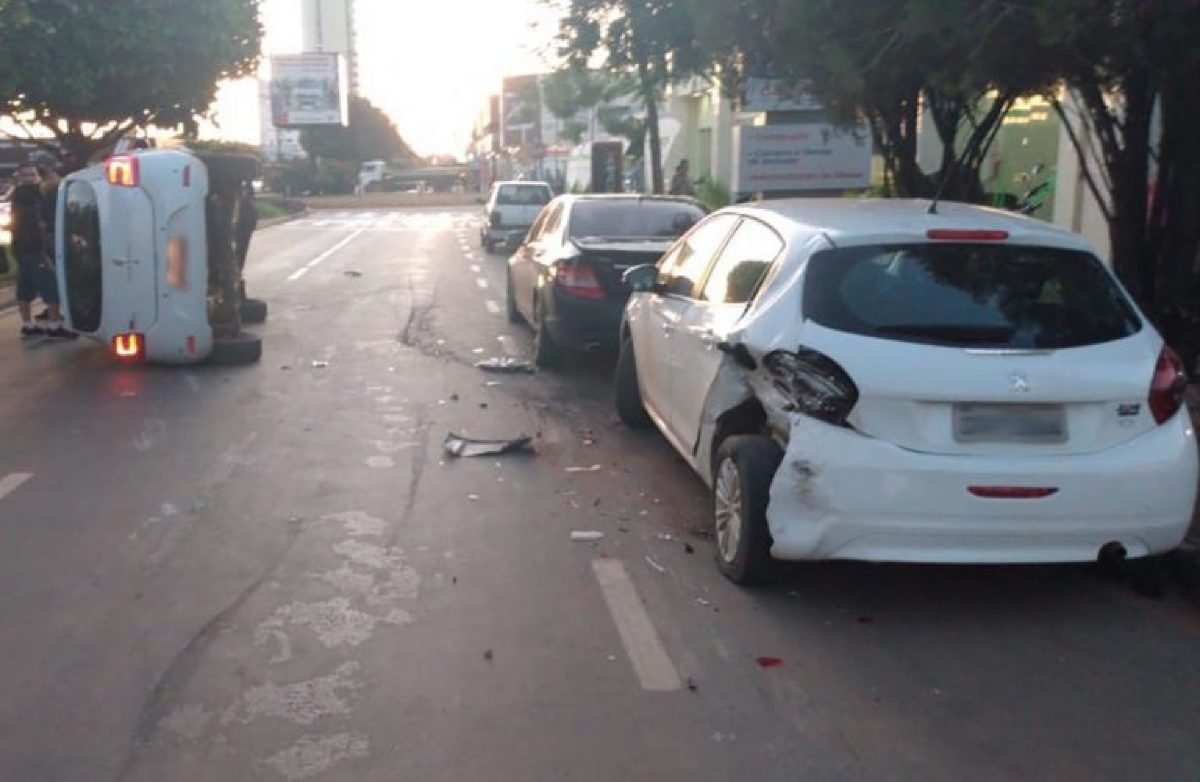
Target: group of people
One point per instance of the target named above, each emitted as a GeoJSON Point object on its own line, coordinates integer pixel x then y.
{"type": "Point", "coordinates": [34, 211]}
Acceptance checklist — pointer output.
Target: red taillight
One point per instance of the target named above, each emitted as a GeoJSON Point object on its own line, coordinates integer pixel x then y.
{"type": "Point", "coordinates": [578, 279]}
{"type": "Point", "coordinates": [1168, 387]}
{"type": "Point", "coordinates": [129, 347]}
{"type": "Point", "coordinates": [123, 171]}
{"type": "Point", "coordinates": [959, 235]}
{"type": "Point", "coordinates": [1012, 492]}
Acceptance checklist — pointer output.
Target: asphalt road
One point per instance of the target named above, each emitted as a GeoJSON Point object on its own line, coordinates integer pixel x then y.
{"type": "Point", "coordinates": [274, 573]}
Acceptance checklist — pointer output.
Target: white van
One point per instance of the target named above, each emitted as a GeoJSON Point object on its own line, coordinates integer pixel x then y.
{"type": "Point", "coordinates": [148, 260]}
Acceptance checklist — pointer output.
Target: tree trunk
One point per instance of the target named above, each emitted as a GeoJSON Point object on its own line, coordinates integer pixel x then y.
{"type": "Point", "coordinates": [650, 96]}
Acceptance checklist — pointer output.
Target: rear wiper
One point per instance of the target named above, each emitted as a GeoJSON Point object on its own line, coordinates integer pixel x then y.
{"type": "Point", "coordinates": [975, 335]}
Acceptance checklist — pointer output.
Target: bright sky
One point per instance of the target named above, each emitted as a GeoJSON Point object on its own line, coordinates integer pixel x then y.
{"type": "Point", "coordinates": [430, 64]}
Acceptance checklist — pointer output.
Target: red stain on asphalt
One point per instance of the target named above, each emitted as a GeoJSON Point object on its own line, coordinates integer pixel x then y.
{"type": "Point", "coordinates": [769, 662]}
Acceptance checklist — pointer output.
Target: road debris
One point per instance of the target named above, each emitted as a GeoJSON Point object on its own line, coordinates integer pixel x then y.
{"type": "Point", "coordinates": [650, 561]}
{"type": "Point", "coordinates": [688, 548]}
{"type": "Point", "coordinates": [593, 468]}
{"type": "Point", "coordinates": [355, 273]}
{"type": "Point", "coordinates": [454, 397]}
{"type": "Point", "coordinates": [586, 536]}
{"type": "Point", "coordinates": [691, 684]}
{"type": "Point", "coordinates": [666, 537]}
{"type": "Point", "coordinates": [320, 365]}
{"type": "Point", "coordinates": [489, 655]}
{"type": "Point", "coordinates": [473, 497]}
{"type": "Point", "coordinates": [703, 602]}
{"type": "Point", "coordinates": [769, 662]}
{"type": "Point", "coordinates": [507, 365]}
{"type": "Point", "coordinates": [459, 446]}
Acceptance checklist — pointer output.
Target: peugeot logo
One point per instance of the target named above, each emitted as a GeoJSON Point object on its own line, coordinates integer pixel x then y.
{"type": "Point", "coordinates": [1019, 383]}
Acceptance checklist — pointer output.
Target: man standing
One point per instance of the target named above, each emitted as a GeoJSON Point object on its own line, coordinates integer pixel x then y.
{"type": "Point", "coordinates": [681, 182]}
{"type": "Point", "coordinates": [35, 275]}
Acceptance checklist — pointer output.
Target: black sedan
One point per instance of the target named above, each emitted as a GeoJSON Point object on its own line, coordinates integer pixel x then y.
{"type": "Point", "coordinates": [565, 279]}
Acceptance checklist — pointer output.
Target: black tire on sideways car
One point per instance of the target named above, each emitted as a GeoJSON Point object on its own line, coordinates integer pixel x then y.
{"type": "Point", "coordinates": [745, 468]}
{"type": "Point", "coordinates": [254, 311]}
{"type": "Point", "coordinates": [236, 351]}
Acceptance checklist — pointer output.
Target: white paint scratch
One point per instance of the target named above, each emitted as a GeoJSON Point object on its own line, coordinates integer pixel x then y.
{"type": "Point", "coordinates": [302, 703]}
{"type": "Point", "coordinates": [311, 756]}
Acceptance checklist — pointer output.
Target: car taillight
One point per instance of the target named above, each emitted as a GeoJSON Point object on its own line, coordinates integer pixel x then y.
{"type": "Point", "coordinates": [814, 383]}
{"type": "Point", "coordinates": [578, 279]}
{"type": "Point", "coordinates": [177, 263]}
{"type": "Point", "coordinates": [129, 347]}
{"type": "Point", "coordinates": [123, 171]}
{"type": "Point", "coordinates": [1168, 387]}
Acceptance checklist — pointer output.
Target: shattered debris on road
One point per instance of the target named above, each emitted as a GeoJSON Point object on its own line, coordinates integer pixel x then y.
{"type": "Point", "coordinates": [466, 447]}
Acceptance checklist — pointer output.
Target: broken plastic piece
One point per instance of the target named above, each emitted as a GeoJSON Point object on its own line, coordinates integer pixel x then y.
{"type": "Point", "coordinates": [352, 273]}
{"type": "Point", "coordinates": [593, 468]}
{"type": "Point", "coordinates": [769, 662]}
{"type": "Point", "coordinates": [507, 365]}
{"type": "Point", "coordinates": [459, 446]}
{"type": "Point", "coordinates": [703, 602]}
{"type": "Point", "coordinates": [320, 365]}
{"type": "Point", "coordinates": [666, 536]}
{"type": "Point", "coordinates": [655, 565]}
{"type": "Point", "coordinates": [586, 536]}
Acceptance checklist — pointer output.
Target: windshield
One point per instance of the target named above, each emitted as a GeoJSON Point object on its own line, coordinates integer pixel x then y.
{"type": "Point", "coordinates": [523, 195]}
{"type": "Point", "coordinates": [630, 219]}
{"type": "Point", "coordinates": [969, 295]}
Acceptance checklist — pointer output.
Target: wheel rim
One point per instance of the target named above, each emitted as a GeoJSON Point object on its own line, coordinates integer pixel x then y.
{"type": "Point", "coordinates": [728, 510]}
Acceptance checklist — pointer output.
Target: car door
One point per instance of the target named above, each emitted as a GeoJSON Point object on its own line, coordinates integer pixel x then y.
{"type": "Point", "coordinates": [681, 272]}
{"type": "Point", "coordinates": [729, 288]}
{"type": "Point", "coordinates": [524, 263]}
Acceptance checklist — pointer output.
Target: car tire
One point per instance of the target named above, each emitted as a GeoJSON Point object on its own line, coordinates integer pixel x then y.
{"type": "Point", "coordinates": [630, 408]}
{"type": "Point", "coordinates": [745, 467]}
{"type": "Point", "coordinates": [254, 311]}
{"type": "Point", "coordinates": [236, 351]}
{"type": "Point", "coordinates": [547, 354]}
{"type": "Point", "coordinates": [510, 298]}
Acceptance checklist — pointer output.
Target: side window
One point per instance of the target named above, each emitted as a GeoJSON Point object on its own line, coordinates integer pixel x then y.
{"type": "Point", "coordinates": [554, 221]}
{"type": "Point", "coordinates": [743, 264]}
{"type": "Point", "coordinates": [684, 267]}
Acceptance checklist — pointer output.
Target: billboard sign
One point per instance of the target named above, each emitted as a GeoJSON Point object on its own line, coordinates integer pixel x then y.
{"type": "Point", "coordinates": [809, 157]}
{"type": "Point", "coordinates": [777, 95]}
{"type": "Point", "coordinates": [309, 90]}
{"type": "Point", "coordinates": [521, 112]}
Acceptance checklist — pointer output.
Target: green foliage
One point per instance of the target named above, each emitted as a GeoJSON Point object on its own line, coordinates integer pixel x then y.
{"type": "Point", "coordinates": [713, 193]}
{"type": "Point", "coordinates": [88, 72]}
{"type": "Point", "coordinates": [371, 135]}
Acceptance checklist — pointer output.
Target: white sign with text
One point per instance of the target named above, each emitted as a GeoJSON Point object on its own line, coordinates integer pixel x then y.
{"type": "Point", "coordinates": [773, 158]}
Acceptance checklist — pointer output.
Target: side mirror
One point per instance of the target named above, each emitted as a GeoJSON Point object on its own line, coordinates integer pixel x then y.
{"type": "Point", "coordinates": [641, 279]}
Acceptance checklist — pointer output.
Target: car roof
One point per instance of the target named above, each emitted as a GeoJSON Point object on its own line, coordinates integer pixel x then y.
{"type": "Point", "coordinates": [578, 197]}
{"type": "Point", "coordinates": [856, 221]}
{"type": "Point", "coordinates": [525, 182]}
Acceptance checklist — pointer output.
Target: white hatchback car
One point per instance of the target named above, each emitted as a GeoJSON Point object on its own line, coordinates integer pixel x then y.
{"type": "Point", "coordinates": [866, 380]}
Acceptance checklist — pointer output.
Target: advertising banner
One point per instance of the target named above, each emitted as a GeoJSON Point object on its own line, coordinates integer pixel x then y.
{"type": "Point", "coordinates": [308, 90]}
{"type": "Point", "coordinates": [773, 158]}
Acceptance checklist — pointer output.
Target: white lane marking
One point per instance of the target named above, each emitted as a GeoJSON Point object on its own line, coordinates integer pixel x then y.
{"type": "Point", "coordinates": [509, 347]}
{"type": "Point", "coordinates": [650, 661]}
{"type": "Point", "coordinates": [324, 256]}
{"type": "Point", "coordinates": [10, 483]}
{"type": "Point", "coordinates": [482, 283]}
{"type": "Point", "coordinates": [476, 268]}
{"type": "Point", "coordinates": [492, 307]}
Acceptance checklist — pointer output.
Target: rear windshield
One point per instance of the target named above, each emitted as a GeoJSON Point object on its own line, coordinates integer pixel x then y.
{"type": "Point", "coordinates": [632, 219]}
{"type": "Point", "coordinates": [969, 295]}
{"type": "Point", "coordinates": [523, 195]}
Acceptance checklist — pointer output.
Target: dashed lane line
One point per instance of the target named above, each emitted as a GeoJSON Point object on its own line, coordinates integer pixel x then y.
{"type": "Point", "coordinates": [12, 482]}
{"type": "Point", "coordinates": [646, 652]}
{"type": "Point", "coordinates": [324, 256]}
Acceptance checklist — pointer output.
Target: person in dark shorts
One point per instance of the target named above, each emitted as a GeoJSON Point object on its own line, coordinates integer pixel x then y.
{"type": "Point", "coordinates": [35, 275]}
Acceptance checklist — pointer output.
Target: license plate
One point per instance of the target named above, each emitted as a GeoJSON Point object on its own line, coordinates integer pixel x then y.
{"type": "Point", "coordinates": [1033, 424]}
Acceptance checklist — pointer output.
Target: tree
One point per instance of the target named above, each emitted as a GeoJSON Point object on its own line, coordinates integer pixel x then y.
{"type": "Point", "coordinates": [86, 73]}
{"type": "Point", "coordinates": [572, 91]}
{"type": "Point", "coordinates": [652, 40]}
{"type": "Point", "coordinates": [371, 135]}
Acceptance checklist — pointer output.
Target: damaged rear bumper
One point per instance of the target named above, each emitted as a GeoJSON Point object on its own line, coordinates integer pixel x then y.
{"type": "Point", "coordinates": [841, 495]}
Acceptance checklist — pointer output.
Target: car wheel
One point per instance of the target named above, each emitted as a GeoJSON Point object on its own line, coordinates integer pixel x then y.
{"type": "Point", "coordinates": [254, 311]}
{"type": "Point", "coordinates": [510, 298]}
{"type": "Point", "coordinates": [746, 466]}
{"type": "Point", "coordinates": [630, 408]}
{"type": "Point", "coordinates": [547, 353]}
{"type": "Point", "coordinates": [242, 349]}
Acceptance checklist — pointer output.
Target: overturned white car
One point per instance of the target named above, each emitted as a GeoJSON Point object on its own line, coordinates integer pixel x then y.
{"type": "Point", "coordinates": [868, 380]}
